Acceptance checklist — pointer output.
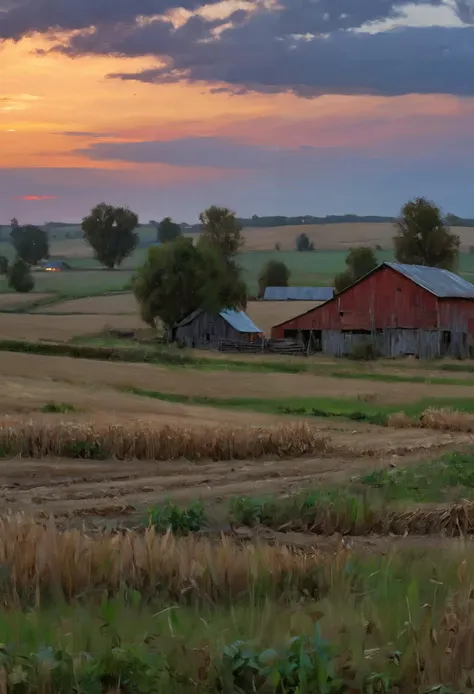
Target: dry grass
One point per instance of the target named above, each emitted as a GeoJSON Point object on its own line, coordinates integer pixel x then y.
{"type": "Point", "coordinates": [192, 382]}
{"type": "Point", "coordinates": [145, 442]}
{"type": "Point", "coordinates": [432, 418]}
{"type": "Point", "coordinates": [332, 236]}
{"type": "Point", "coordinates": [40, 559]}
{"type": "Point", "coordinates": [108, 305]}
{"type": "Point", "coordinates": [8, 301]}
{"type": "Point", "coordinates": [62, 328]}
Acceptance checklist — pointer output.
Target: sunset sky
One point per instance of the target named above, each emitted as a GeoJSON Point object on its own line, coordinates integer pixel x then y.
{"type": "Point", "coordinates": [265, 106]}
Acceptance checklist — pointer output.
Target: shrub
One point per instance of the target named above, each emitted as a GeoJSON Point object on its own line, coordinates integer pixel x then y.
{"type": "Point", "coordinates": [20, 278]}
{"type": "Point", "coordinates": [363, 351]}
{"type": "Point", "coordinates": [181, 521]}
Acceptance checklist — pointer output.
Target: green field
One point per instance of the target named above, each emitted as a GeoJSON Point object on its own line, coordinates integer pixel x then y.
{"type": "Point", "coordinates": [307, 269]}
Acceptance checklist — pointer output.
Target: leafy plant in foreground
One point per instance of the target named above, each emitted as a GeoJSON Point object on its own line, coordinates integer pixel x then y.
{"type": "Point", "coordinates": [180, 521]}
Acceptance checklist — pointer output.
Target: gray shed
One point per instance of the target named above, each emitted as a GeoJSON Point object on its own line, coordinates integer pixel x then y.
{"type": "Point", "coordinates": [201, 329]}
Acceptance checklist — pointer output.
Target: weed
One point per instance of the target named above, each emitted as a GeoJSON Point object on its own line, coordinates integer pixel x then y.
{"type": "Point", "coordinates": [180, 521]}
{"type": "Point", "coordinates": [60, 407]}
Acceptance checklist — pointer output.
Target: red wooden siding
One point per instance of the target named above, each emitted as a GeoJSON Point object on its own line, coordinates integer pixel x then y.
{"type": "Point", "coordinates": [385, 299]}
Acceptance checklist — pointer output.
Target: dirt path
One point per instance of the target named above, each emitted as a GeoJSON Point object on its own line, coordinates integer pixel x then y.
{"type": "Point", "coordinates": [113, 489]}
{"type": "Point", "coordinates": [216, 384]}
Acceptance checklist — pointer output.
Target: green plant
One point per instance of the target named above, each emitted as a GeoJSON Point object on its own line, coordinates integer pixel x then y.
{"type": "Point", "coordinates": [363, 351]}
{"type": "Point", "coordinates": [60, 407]}
{"type": "Point", "coordinates": [110, 231]}
{"type": "Point", "coordinates": [304, 664]}
{"type": "Point", "coordinates": [180, 521]}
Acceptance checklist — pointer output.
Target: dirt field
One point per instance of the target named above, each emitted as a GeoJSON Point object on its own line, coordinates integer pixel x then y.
{"type": "Point", "coordinates": [62, 328]}
{"type": "Point", "coordinates": [265, 314]}
{"type": "Point", "coordinates": [216, 384]}
{"type": "Point", "coordinates": [124, 490]}
{"type": "Point", "coordinates": [8, 301]}
{"type": "Point", "coordinates": [324, 237]}
{"type": "Point", "coordinates": [108, 305]}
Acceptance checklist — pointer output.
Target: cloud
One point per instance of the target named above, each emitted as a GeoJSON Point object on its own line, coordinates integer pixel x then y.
{"type": "Point", "coordinates": [300, 47]}
{"type": "Point", "coordinates": [34, 198]}
{"type": "Point", "coordinates": [19, 18]}
{"type": "Point", "coordinates": [84, 133]}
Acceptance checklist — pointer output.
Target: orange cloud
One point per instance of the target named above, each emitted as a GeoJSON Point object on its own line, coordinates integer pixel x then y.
{"type": "Point", "coordinates": [35, 197]}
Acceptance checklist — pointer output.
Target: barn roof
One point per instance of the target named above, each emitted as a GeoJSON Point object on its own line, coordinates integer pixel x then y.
{"type": "Point", "coordinates": [298, 293]}
{"type": "Point", "coordinates": [441, 283]}
{"type": "Point", "coordinates": [237, 319]}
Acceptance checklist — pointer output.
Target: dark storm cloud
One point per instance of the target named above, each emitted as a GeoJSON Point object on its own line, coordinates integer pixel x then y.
{"type": "Point", "coordinates": [22, 17]}
{"type": "Point", "coordinates": [401, 61]}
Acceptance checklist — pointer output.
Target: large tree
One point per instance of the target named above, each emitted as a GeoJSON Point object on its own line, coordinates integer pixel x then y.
{"type": "Point", "coordinates": [31, 243]}
{"type": "Point", "coordinates": [359, 262]}
{"type": "Point", "coordinates": [303, 243]}
{"type": "Point", "coordinates": [110, 231]}
{"type": "Point", "coordinates": [274, 274]}
{"type": "Point", "coordinates": [19, 276]}
{"type": "Point", "coordinates": [221, 230]}
{"type": "Point", "coordinates": [3, 265]}
{"type": "Point", "coordinates": [179, 277]}
{"type": "Point", "coordinates": [423, 236]}
{"type": "Point", "coordinates": [167, 230]}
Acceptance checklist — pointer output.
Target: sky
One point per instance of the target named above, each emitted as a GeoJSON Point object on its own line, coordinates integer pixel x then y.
{"type": "Point", "coordinates": [269, 107]}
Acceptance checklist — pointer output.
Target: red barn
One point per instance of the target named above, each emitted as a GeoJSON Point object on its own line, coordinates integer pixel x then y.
{"type": "Point", "coordinates": [399, 309]}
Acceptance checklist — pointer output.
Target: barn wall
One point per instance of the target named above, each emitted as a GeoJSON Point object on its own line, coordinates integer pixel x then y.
{"type": "Point", "coordinates": [385, 300]}
{"type": "Point", "coordinates": [206, 331]}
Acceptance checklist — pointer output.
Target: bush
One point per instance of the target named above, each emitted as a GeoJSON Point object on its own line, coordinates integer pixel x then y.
{"type": "Point", "coordinates": [363, 351]}
{"type": "Point", "coordinates": [180, 521]}
{"type": "Point", "coordinates": [19, 277]}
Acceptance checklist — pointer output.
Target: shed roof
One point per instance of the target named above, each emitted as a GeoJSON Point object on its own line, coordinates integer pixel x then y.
{"type": "Point", "coordinates": [298, 293]}
{"type": "Point", "coordinates": [441, 283]}
{"type": "Point", "coordinates": [237, 319]}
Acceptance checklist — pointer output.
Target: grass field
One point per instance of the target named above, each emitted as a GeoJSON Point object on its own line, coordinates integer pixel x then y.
{"type": "Point", "coordinates": [286, 525]}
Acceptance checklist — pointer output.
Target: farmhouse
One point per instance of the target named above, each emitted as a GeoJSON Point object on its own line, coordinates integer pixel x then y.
{"type": "Point", "coordinates": [55, 266]}
{"type": "Point", "coordinates": [298, 294]}
{"type": "Point", "coordinates": [201, 329]}
{"type": "Point", "coordinates": [398, 309]}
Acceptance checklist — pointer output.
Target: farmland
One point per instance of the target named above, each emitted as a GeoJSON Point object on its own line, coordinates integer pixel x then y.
{"type": "Point", "coordinates": [326, 499]}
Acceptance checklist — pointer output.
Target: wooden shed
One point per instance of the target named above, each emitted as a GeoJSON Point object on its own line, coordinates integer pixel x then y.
{"type": "Point", "coordinates": [204, 330]}
{"type": "Point", "coordinates": [400, 309]}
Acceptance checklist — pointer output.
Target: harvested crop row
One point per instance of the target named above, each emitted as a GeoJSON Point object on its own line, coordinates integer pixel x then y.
{"type": "Point", "coordinates": [39, 559]}
{"type": "Point", "coordinates": [146, 442]}
{"type": "Point", "coordinates": [441, 419]}
{"type": "Point", "coordinates": [355, 515]}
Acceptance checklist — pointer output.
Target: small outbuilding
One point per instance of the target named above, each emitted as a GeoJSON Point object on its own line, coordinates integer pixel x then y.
{"type": "Point", "coordinates": [398, 309]}
{"type": "Point", "coordinates": [204, 330]}
{"type": "Point", "coordinates": [298, 294]}
{"type": "Point", "coordinates": [55, 265]}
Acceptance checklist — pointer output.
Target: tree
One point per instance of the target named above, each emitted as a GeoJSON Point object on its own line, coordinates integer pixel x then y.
{"type": "Point", "coordinates": [273, 274]}
{"type": "Point", "coordinates": [3, 265]}
{"type": "Point", "coordinates": [359, 262]}
{"type": "Point", "coordinates": [303, 243]}
{"type": "Point", "coordinates": [19, 276]}
{"type": "Point", "coordinates": [110, 231]}
{"type": "Point", "coordinates": [179, 277]}
{"type": "Point", "coordinates": [14, 223]}
{"type": "Point", "coordinates": [423, 236]}
{"type": "Point", "coordinates": [31, 243]}
{"type": "Point", "coordinates": [221, 230]}
{"type": "Point", "coordinates": [168, 230]}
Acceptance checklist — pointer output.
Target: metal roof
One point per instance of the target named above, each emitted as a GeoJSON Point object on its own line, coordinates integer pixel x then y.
{"type": "Point", "coordinates": [441, 283]}
{"type": "Point", "coordinates": [298, 293]}
{"type": "Point", "coordinates": [239, 321]}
